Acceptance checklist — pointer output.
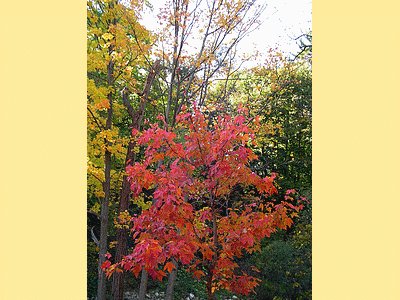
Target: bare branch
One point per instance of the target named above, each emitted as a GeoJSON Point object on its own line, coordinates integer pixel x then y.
{"type": "Point", "coordinates": [94, 237]}
{"type": "Point", "coordinates": [96, 120]}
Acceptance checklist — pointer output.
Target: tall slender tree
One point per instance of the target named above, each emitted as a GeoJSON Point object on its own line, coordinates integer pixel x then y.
{"type": "Point", "coordinates": [116, 50]}
{"type": "Point", "coordinates": [122, 233]}
{"type": "Point", "coordinates": [216, 28]}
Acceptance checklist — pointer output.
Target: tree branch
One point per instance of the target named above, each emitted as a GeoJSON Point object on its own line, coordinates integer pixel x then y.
{"type": "Point", "coordinates": [93, 213]}
{"type": "Point", "coordinates": [95, 119]}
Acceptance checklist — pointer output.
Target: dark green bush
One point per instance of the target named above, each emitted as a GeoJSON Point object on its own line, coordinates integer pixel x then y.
{"type": "Point", "coordinates": [285, 272]}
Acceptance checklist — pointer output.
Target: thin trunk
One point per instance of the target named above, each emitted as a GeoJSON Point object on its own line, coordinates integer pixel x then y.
{"type": "Point", "coordinates": [209, 282]}
{"type": "Point", "coordinates": [101, 288]}
{"type": "Point", "coordinates": [174, 274]}
{"type": "Point", "coordinates": [175, 63]}
{"type": "Point", "coordinates": [143, 284]}
{"type": "Point", "coordinates": [122, 234]}
{"type": "Point", "coordinates": [171, 281]}
{"type": "Point", "coordinates": [212, 265]}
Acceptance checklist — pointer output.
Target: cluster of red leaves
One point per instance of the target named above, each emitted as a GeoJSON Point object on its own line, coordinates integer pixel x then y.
{"type": "Point", "coordinates": [192, 186]}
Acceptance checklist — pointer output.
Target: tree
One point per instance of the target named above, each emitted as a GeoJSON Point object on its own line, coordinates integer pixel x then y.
{"type": "Point", "coordinates": [216, 27]}
{"type": "Point", "coordinates": [117, 46]}
{"type": "Point", "coordinates": [285, 272]}
{"type": "Point", "coordinates": [305, 46]}
{"type": "Point", "coordinates": [280, 92]}
{"type": "Point", "coordinates": [194, 220]}
{"type": "Point", "coordinates": [213, 29]}
{"type": "Point", "coordinates": [122, 233]}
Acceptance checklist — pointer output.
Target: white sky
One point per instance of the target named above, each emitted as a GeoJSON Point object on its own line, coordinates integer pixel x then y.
{"type": "Point", "coordinates": [283, 20]}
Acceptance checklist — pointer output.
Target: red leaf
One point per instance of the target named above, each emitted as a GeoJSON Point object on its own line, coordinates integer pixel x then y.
{"type": "Point", "coordinates": [197, 274]}
{"type": "Point", "coordinates": [106, 265]}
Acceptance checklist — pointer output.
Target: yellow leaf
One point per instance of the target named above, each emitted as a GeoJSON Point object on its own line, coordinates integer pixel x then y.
{"type": "Point", "coordinates": [107, 36]}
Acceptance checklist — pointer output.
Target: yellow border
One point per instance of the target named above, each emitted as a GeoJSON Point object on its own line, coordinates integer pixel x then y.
{"type": "Point", "coordinates": [355, 154]}
{"type": "Point", "coordinates": [44, 149]}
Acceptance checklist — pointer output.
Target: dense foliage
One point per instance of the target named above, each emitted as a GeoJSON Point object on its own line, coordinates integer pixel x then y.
{"type": "Point", "coordinates": [194, 221]}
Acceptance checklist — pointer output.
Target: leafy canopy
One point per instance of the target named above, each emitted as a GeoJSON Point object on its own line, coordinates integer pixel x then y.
{"type": "Point", "coordinates": [193, 220]}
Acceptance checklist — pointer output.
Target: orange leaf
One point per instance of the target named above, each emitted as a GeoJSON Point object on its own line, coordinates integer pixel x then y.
{"type": "Point", "coordinates": [198, 274]}
{"type": "Point", "coordinates": [169, 266]}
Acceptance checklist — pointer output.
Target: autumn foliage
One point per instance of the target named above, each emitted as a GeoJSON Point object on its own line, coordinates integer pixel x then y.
{"type": "Point", "coordinates": [193, 219]}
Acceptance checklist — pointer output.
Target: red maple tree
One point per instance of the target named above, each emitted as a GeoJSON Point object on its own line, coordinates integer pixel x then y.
{"type": "Point", "coordinates": [193, 219]}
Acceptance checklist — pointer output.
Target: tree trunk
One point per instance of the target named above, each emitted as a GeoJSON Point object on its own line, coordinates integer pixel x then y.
{"type": "Point", "coordinates": [173, 275]}
{"type": "Point", "coordinates": [212, 265]}
{"type": "Point", "coordinates": [122, 234]}
{"type": "Point", "coordinates": [209, 283]}
{"type": "Point", "coordinates": [171, 281]}
{"type": "Point", "coordinates": [101, 288]}
{"type": "Point", "coordinates": [143, 285]}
